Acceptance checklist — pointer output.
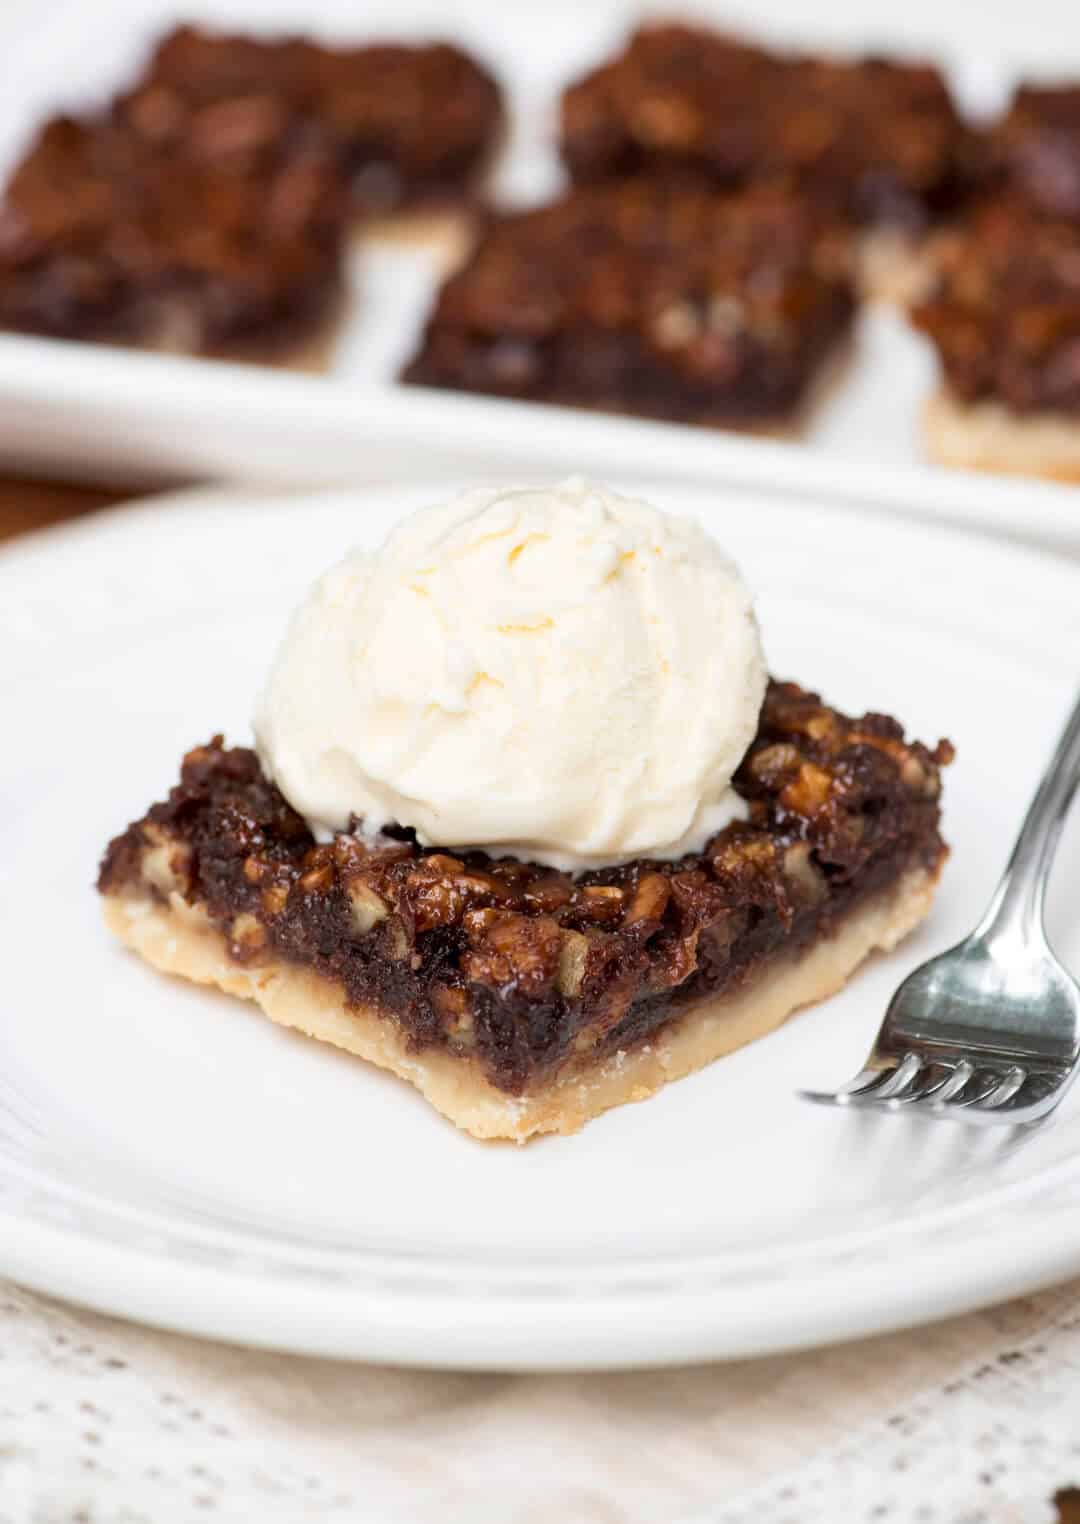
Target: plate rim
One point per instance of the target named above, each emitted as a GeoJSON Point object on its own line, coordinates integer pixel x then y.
{"type": "Point", "coordinates": [393, 1322]}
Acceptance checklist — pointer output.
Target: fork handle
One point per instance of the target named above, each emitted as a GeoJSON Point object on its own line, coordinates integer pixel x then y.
{"type": "Point", "coordinates": [1017, 906]}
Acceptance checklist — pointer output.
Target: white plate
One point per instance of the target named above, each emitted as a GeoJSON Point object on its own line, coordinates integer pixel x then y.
{"type": "Point", "coordinates": [81, 409]}
{"type": "Point", "coordinates": [168, 1154]}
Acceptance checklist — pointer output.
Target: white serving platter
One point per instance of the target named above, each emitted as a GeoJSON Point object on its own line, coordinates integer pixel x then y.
{"type": "Point", "coordinates": [83, 411]}
{"type": "Point", "coordinates": [169, 1155]}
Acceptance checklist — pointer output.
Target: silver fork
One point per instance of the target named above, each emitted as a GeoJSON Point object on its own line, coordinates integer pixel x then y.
{"type": "Point", "coordinates": [990, 1030]}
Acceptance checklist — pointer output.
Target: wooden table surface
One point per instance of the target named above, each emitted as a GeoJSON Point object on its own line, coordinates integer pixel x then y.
{"type": "Point", "coordinates": [27, 505]}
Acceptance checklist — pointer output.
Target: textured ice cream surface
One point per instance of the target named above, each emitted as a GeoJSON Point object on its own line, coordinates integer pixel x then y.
{"type": "Point", "coordinates": [558, 673]}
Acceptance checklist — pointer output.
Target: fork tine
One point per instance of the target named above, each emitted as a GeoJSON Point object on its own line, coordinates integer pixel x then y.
{"type": "Point", "coordinates": [1012, 1081]}
{"type": "Point", "coordinates": [896, 1082]}
{"type": "Point", "coordinates": [925, 1092]}
{"type": "Point", "coordinates": [864, 1083]}
{"type": "Point", "coordinates": [977, 1100]}
{"type": "Point", "coordinates": [956, 1081]}
{"type": "Point", "coordinates": [903, 1075]}
{"type": "Point", "coordinates": [1002, 1088]}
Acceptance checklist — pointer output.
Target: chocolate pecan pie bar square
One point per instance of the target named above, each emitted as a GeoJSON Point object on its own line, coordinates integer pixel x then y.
{"type": "Point", "coordinates": [663, 300]}
{"type": "Point", "coordinates": [410, 125]}
{"type": "Point", "coordinates": [103, 238]}
{"type": "Point", "coordinates": [1004, 318]}
{"type": "Point", "coordinates": [877, 139]}
{"type": "Point", "coordinates": [517, 998]}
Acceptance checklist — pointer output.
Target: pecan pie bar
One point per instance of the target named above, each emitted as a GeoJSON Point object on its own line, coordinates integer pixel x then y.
{"type": "Point", "coordinates": [102, 239]}
{"type": "Point", "coordinates": [650, 298]}
{"type": "Point", "coordinates": [878, 139]}
{"type": "Point", "coordinates": [410, 124]}
{"type": "Point", "coordinates": [1004, 318]}
{"type": "Point", "coordinates": [519, 999]}
{"type": "Point", "coordinates": [206, 209]}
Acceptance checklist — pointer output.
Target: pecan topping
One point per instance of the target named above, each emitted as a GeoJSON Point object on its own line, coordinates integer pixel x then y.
{"type": "Point", "coordinates": [1004, 314]}
{"type": "Point", "coordinates": [506, 949]}
{"type": "Point", "coordinates": [879, 139]}
{"type": "Point", "coordinates": [645, 296]}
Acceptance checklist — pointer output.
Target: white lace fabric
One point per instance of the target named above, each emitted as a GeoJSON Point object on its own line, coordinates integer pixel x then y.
{"type": "Point", "coordinates": [973, 1421]}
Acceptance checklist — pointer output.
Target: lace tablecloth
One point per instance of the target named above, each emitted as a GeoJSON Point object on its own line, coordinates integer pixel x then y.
{"type": "Point", "coordinates": [974, 1421]}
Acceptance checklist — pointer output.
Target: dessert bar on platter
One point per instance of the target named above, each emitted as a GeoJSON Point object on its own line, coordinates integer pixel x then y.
{"type": "Point", "coordinates": [651, 297]}
{"type": "Point", "coordinates": [205, 209]}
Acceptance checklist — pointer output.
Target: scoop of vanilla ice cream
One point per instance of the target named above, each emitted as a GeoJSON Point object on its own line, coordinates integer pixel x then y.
{"type": "Point", "coordinates": [559, 673]}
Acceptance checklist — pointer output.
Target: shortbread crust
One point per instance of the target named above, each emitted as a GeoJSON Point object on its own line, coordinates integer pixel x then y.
{"type": "Point", "coordinates": [178, 938]}
{"type": "Point", "coordinates": [987, 436]}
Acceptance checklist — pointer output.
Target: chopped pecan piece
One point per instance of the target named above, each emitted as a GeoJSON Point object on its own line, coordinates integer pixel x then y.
{"type": "Point", "coordinates": [368, 907]}
{"type": "Point", "coordinates": [573, 960]}
{"type": "Point", "coordinates": [649, 900]}
{"type": "Point", "coordinates": [452, 1004]}
{"type": "Point", "coordinates": [166, 862]}
{"type": "Point", "coordinates": [440, 890]}
{"type": "Point", "coordinates": [598, 904]}
{"type": "Point", "coordinates": [317, 879]}
{"type": "Point", "coordinates": [395, 940]}
{"type": "Point", "coordinates": [805, 881]}
{"type": "Point", "coordinates": [247, 938]}
{"type": "Point", "coordinates": [748, 869]}
{"type": "Point", "coordinates": [275, 899]}
{"type": "Point", "coordinates": [509, 949]}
